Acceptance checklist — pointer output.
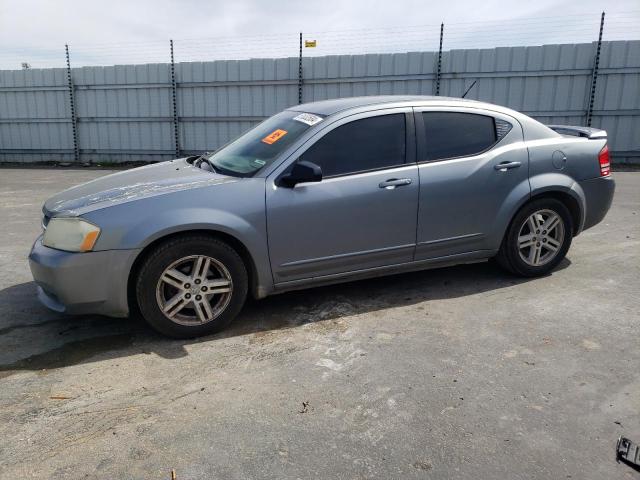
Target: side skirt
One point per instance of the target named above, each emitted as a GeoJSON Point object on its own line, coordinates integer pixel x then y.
{"type": "Point", "coordinates": [445, 261]}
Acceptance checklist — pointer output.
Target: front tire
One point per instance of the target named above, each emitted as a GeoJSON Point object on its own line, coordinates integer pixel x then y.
{"type": "Point", "coordinates": [538, 238]}
{"type": "Point", "coordinates": [191, 286]}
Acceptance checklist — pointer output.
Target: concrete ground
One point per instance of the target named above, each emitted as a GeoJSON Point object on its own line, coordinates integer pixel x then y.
{"type": "Point", "coordinates": [464, 372]}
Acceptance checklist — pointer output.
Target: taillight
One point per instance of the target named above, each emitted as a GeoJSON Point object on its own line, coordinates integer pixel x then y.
{"type": "Point", "coordinates": [603, 159]}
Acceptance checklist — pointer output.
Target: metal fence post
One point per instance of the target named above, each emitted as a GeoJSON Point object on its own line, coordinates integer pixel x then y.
{"type": "Point", "coordinates": [176, 130]}
{"type": "Point", "coordinates": [300, 72]}
{"type": "Point", "coordinates": [594, 74]}
{"type": "Point", "coordinates": [72, 108]}
{"type": "Point", "coordinates": [438, 73]}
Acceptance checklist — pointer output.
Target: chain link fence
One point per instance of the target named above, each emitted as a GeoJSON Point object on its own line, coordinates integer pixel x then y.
{"type": "Point", "coordinates": [151, 101]}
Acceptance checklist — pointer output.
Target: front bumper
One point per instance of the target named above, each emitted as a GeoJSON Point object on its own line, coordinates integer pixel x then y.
{"type": "Point", "coordinates": [598, 194]}
{"type": "Point", "coordinates": [82, 283]}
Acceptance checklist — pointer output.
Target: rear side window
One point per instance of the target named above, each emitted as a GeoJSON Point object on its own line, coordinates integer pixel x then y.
{"type": "Point", "coordinates": [453, 134]}
{"type": "Point", "coordinates": [367, 144]}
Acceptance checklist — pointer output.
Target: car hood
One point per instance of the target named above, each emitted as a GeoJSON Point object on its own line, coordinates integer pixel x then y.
{"type": "Point", "coordinates": [130, 185]}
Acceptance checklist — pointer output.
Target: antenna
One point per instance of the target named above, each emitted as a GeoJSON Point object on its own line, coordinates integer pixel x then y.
{"type": "Point", "coordinates": [470, 87]}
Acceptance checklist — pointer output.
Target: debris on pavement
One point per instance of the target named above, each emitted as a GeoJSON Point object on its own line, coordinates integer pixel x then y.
{"type": "Point", "coordinates": [628, 452]}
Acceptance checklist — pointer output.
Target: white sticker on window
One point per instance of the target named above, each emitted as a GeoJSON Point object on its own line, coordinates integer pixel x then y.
{"type": "Point", "coordinates": [308, 118]}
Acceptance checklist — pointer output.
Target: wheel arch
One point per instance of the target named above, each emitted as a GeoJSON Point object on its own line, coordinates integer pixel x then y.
{"type": "Point", "coordinates": [254, 285]}
{"type": "Point", "coordinates": [513, 262]}
{"type": "Point", "coordinates": [568, 200]}
{"type": "Point", "coordinates": [564, 188]}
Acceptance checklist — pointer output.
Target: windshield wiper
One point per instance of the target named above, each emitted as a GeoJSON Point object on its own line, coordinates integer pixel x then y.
{"type": "Point", "coordinates": [204, 158]}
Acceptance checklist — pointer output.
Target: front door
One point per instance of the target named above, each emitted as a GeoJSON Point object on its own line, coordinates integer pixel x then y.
{"type": "Point", "coordinates": [361, 215]}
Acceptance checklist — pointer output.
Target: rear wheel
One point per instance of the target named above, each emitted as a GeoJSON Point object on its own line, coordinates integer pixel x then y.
{"type": "Point", "coordinates": [538, 238]}
{"type": "Point", "coordinates": [191, 286]}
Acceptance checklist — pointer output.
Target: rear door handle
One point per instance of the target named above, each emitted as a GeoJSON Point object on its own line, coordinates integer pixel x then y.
{"type": "Point", "coordinates": [394, 182]}
{"type": "Point", "coordinates": [504, 166]}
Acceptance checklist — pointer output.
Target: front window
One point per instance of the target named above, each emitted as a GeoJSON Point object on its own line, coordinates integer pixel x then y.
{"type": "Point", "coordinates": [262, 144]}
{"type": "Point", "coordinates": [368, 144]}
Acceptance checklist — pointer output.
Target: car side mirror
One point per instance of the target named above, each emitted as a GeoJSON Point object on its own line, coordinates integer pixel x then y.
{"type": "Point", "coordinates": [302, 172]}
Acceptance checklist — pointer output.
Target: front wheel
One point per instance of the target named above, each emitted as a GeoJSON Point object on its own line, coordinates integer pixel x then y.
{"type": "Point", "coordinates": [538, 238]}
{"type": "Point", "coordinates": [191, 286]}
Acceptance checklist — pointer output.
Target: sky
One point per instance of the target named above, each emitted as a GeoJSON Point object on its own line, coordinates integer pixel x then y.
{"type": "Point", "coordinates": [137, 31]}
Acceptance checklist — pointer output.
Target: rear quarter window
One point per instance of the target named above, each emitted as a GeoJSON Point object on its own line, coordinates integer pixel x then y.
{"type": "Point", "coordinates": [455, 134]}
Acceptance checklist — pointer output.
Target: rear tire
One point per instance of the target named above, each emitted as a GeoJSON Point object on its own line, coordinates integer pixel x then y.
{"type": "Point", "coordinates": [537, 239]}
{"type": "Point", "coordinates": [191, 286]}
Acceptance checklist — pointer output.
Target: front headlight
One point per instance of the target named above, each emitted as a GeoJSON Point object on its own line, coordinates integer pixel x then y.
{"type": "Point", "coordinates": [70, 234]}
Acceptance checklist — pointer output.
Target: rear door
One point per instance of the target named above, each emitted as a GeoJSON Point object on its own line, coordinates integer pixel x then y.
{"type": "Point", "coordinates": [473, 165]}
{"type": "Point", "coordinates": [362, 214]}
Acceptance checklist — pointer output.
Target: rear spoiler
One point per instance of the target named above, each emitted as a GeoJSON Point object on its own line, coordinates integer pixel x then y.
{"type": "Point", "coordinates": [587, 132]}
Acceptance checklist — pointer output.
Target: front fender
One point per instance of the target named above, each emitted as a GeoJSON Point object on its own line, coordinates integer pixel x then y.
{"type": "Point", "coordinates": [162, 224]}
{"type": "Point", "coordinates": [240, 214]}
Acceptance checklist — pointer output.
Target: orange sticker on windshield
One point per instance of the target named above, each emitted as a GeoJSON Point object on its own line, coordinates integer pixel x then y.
{"type": "Point", "coordinates": [274, 136]}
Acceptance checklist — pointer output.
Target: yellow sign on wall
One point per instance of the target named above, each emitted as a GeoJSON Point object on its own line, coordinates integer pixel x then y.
{"type": "Point", "coordinates": [310, 43]}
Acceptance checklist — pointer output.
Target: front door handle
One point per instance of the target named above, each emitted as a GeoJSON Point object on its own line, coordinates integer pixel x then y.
{"type": "Point", "coordinates": [504, 166]}
{"type": "Point", "coordinates": [394, 182]}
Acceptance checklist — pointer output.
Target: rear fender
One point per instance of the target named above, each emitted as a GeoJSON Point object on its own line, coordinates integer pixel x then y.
{"type": "Point", "coordinates": [514, 201]}
{"type": "Point", "coordinates": [547, 183]}
{"type": "Point", "coordinates": [555, 182]}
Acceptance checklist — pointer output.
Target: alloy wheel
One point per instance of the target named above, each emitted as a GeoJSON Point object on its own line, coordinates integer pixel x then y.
{"type": "Point", "coordinates": [194, 290]}
{"type": "Point", "coordinates": [540, 237]}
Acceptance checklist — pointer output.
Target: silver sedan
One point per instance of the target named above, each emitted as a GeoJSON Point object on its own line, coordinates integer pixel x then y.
{"type": "Point", "coordinates": [322, 193]}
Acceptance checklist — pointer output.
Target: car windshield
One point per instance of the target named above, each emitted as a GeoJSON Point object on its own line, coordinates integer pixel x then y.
{"type": "Point", "coordinates": [262, 144]}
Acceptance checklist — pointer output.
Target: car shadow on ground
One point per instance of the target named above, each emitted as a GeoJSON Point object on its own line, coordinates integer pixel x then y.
{"type": "Point", "coordinates": [33, 338]}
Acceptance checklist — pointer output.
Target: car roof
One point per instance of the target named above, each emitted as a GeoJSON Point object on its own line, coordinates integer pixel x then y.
{"type": "Point", "coordinates": [330, 107]}
{"type": "Point", "coordinates": [533, 129]}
